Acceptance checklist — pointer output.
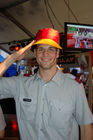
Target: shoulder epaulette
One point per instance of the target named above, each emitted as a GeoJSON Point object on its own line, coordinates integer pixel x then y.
{"type": "Point", "coordinates": [76, 79]}
{"type": "Point", "coordinates": [73, 78]}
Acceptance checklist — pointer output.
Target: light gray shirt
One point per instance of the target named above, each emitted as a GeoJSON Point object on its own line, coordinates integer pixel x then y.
{"type": "Point", "coordinates": [48, 111]}
{"type": "Point", "coordinates": [2, 120]}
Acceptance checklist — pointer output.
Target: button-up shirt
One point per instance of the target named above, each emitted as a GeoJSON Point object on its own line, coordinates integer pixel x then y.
{"type": "Point", "coordinates": [48, 111]}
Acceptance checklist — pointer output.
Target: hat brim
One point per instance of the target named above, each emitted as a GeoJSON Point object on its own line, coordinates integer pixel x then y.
{"type": "Point", "coordinates": [48, 42]}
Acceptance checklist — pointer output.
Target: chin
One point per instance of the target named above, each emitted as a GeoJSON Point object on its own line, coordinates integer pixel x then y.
{"type": "Point", "coordinates": [45, 67]}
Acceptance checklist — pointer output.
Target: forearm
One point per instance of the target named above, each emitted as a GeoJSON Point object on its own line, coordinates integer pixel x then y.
{"type": "Point", "coordinates": [6, 63]}
{"type": "Point", "coordinates": [13, 57]}
{"type": "Point", "coordinates": [2, 133]}
{"type": "Point", "coordinates": [87, 132]}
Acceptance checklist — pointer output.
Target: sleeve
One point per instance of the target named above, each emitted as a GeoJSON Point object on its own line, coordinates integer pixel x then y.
{"type": "Point", "coordinates": [8, 87]}
{"type": "Point", "coordinates": [2, 120]}
{"type": "Point", "coordinates": [83, 114]}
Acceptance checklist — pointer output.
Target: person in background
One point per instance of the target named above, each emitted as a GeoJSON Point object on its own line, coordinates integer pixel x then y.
{"type": "Point", "coordinates": [34, 67]}
{"type": "Point", "coordinates": [50, 105]}
{"type": "Point", "coordinates": [2, 124]}
{"type": "Point", "coordinates": [75, 73]}
{"type": "Point", "coordinates": [66, 70]}
{"type": "Point", "coordinates": [35, 70]}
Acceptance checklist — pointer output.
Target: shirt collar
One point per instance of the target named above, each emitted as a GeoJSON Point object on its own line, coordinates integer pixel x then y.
{"type": "Point", "coordinates": [57, 77]}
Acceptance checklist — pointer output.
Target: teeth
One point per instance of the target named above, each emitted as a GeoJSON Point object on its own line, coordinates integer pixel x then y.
{"type": "Point", "coordinates": [45, 59]}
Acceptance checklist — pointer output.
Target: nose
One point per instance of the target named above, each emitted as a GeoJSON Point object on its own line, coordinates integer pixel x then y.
{"type": "Point", "coordinates": [45, 52]}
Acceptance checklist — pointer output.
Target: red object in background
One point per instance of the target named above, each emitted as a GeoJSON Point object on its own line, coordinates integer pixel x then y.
{"type": "Point", "coordinates": [70, 40]}
{"type": "Point", "coordinates": [14, 125]}
{"type": "Point", "coordinates": [81, 44]}
{"type": "Point", "coordinates": [14, 47]}
{"type": "Point", "coordinates": [27, 74]}
{"type": "Point", "coordinates": [91, 53]}
{"type": "Point", "coordinates": [78, 80]}
{"type": "Point", "coordinates": [70, 36]}
{"type": "Point", "coordinates": [11, 48]}
{"type": "Point", "coordinates": [17, 48]}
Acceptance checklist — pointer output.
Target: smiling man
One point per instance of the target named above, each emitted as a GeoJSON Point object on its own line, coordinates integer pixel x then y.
{"type": "Point", "coordinates": [46, 56]}
{"type": "Point", "coordinates": [50, 105]}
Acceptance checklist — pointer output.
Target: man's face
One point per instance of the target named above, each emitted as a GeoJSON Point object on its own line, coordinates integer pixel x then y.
{"type": "Point", "coordinates": [46, 56]}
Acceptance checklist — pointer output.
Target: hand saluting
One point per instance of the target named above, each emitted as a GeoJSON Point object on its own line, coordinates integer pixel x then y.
{"type": "Point", "coordinates": [22, 52]}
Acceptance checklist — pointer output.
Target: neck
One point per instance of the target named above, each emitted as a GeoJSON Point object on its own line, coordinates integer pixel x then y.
{"type": "Point", "coordinates": [47, 74]}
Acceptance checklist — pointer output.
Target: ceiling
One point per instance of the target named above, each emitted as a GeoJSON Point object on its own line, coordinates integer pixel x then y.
{"type": "Point", "coordinates": [21, 19]}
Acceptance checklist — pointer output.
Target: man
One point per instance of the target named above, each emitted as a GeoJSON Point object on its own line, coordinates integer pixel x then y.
{"type": "Point", "coordinates": [49, 104]}
{"type": "Point", "coordinates": [2, 124]}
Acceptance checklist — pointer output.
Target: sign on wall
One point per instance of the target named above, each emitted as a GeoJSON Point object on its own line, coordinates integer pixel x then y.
{"type": "Point", "coordinates": [66, 59]}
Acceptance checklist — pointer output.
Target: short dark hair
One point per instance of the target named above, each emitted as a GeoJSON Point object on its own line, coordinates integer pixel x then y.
{"type": "Point", "coordinates": [74, 72]}
{"type": "Point", "coordinates": [33, 47]}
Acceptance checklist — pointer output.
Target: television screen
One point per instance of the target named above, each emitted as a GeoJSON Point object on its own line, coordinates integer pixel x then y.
{"type": "Point", "coordinates": [78, 36]}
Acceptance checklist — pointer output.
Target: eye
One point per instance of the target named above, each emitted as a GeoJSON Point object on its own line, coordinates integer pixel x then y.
{"type": "Point", "coordinates": [40, 49]}
{"type": "Point", "coordinates": [52, 49]}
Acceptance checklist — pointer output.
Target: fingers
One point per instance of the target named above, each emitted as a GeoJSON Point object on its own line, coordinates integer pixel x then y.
{"type": "Point", "coordinates": [26, 48]}
{"type": "Point", "coordinates": [30, 44]}
{"type": "Point", "coordinates": [22, 52]}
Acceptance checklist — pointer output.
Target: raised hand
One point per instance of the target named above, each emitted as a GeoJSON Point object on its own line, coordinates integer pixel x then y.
{"type": "Point", "coordinates": [22, 52]}
{"type": "Point", "coordinates": [13, 57]}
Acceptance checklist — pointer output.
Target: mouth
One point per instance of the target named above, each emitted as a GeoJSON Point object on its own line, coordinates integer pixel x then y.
{"type": "Point", "coordinates": [45, 59]}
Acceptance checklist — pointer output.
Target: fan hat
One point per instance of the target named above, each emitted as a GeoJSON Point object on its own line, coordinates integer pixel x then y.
{"type": "Point", "coordinates": [48, 36]}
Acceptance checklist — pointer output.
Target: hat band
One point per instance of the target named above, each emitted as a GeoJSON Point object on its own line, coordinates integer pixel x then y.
{"type": "Point", "coordinates": [48, 42]}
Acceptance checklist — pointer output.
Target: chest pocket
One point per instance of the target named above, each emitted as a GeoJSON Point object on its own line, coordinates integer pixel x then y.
{"type": "Point", "coordinates": [27, 109]}
{"type": "Point", "coordinates": [60, 115]}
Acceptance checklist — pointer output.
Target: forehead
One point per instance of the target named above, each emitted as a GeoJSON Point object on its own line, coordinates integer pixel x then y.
{"type": "Point", "coordinates": [44, 46]}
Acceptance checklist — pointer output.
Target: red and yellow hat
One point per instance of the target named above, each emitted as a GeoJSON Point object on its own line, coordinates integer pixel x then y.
{"type": "Point", "coordinates": [48, 36]}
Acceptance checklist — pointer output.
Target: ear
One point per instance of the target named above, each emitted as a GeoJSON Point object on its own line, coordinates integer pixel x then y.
{"type": "Point", "coordinates": [58, 53]}
{"type": "Point", "coordinates": [35, 52]}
